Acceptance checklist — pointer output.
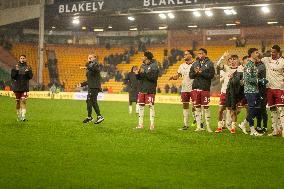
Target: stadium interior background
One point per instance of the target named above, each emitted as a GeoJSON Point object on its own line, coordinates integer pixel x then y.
{"type": "Point", "coordinates": [118, 31]}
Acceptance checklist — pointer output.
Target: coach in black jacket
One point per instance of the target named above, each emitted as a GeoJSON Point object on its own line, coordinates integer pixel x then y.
{"type": "Point", "coordinates": [202, 72]}
{"type": "Point", "coordinates": [21, 74]}
{"type": "Point", "coordinates": [94, 87]}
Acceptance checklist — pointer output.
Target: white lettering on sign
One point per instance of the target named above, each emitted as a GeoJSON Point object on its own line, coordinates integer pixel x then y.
{"type": "Point", "coordinates": [81, 7]}
{"type": "Point", "coordinates": [61, 8]}
{"type": "Point", "coordinates": [153, 3]}
{"type": "Point", "coordinates": [163, 2]}
{"type": "Point", "coordinates": [88, 6]}
{"type": "Point", "coordinates": [74, 8]}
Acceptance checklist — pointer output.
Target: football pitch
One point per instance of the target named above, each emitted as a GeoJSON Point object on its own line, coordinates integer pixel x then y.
{"type": "Point", "coordinates": [54, 149]}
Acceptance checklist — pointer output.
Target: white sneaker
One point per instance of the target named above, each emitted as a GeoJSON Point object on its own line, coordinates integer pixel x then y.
{"type": "Point", "coordinates": [243, 128]}
{"type": "Point", "coordinates": [99, 119]}
{"type": "Point", "coordinates": [209, 130]}
{"type": "Point", "coordinates": [274, 133]}
{"type": "Point", "coordinates": [139, 127]}
{"type": "Point", "coordinates": [198, 129]}
{"type": "Point", "coordinates": [19, 118]}
{"type": "Point", "coordinates": [255, 133]}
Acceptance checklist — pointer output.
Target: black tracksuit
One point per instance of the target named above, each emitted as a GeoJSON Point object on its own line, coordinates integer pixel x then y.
{"type": "Point", "coordinates": [202, 81]}
{"type": "Point", "coordinates": [21, 77]}
{"type": "Point", "coordinates": [262, 115]}
{"type": "Point", "coordinates": [133, 86]}
{"type": "Point", "coordinates": [148, 78]}
{"type": "Point", "coordinates": [235, 90]}
{"type": "Point", "coordinates": [94, 86]}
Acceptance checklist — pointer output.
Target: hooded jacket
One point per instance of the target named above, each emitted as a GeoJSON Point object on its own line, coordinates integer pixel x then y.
{"type": "Point", "coordinates": [202, 81]}
{"type": "Point", "coordinates": [148, 78]}
{"type": "Point", "coordinates": [21, 77]}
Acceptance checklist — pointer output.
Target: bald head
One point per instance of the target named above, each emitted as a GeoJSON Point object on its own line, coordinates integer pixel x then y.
{"type": "Point", "coordinates": [91, 57]}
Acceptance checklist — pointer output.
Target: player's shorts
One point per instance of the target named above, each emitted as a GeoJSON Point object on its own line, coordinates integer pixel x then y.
{"type": "Point", "coordinates": [243, 103]}
{"type": "Point", "coordinates": [185, 97]}
{"type": "Point", "coordinates": [148, 99]}
{"type": "Point", "coordinates": [20, 95]}
{"type": "Point", "coordinates": [222, 101]}
{"type": "Point", "coordinates": [200, 98]}
{"type": "Point", "coordinates": [275, 97]}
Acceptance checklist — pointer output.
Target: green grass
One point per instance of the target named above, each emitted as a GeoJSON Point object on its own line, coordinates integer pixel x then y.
{"type": "Point", "coordinates": [55, 150]}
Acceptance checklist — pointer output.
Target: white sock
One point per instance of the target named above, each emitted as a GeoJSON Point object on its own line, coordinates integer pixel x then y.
{"type": "Point", "coordinates": [19, 112]}
{"type": "Point", "coordinates": [228, 118]}
{"type": "Point", "coordinates": [234, 125]}
{"type": "Point", "coordinates": [24, 113]}
{"type": "Point", "coordinates": [152, 114]}
{"type": "Point", "coordinates": [198, 117]}
{"type": "Point", "coordinates": [207, 117]}
{"type": "Point", "coordinates": [130, 109]}
{"type": "Point", "coordinates": [137, 108]}
{"type": "Point", "coordinates": [193, 115]}
{"type": "Point", "coordinates": [252, 129]}
{"type": "Point", "coordinates": [281, 117]}
{"type": "Point", "coordinates": [244, 122]}
{"type": "Point", "coordinates": [202, 114]}
{"type": "Point", "coordinates": [274, 119]}
{"type": "Point", "coordinates": [220, 124]}
{"type": "Point", "coordinates": [185, 117]}
{"type": "Point", "coordinates": [141, 115]}
{"type": "Point", "coordinates": [224, 116]}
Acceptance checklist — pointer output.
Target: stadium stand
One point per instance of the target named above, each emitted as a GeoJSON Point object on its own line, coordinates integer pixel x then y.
{"type": "Point", "coordinates": [71, 58]}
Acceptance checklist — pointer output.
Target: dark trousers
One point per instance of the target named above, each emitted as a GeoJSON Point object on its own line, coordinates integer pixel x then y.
{"type": "Point", "coordinates": [254, 107]}
{"type": "Point", "coordinates": [262, 116]}
{"type": "Point", "coordinates": [92, 102]}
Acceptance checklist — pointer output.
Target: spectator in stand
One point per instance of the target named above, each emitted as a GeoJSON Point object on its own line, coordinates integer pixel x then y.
{"type": "Point", "coordinates": [165, 63]}
{"type": "Point", "coordinates": [167, 88]}
{"type": "Point", "coordinates": [173, 89]}
{"type": "Point", "coordinates": [131, 51]}
{"type": "Point", "coordinates": [179, 89]}
{"type": "Point", "coordinates": [158, 89]}
{"type": "Point", "coordinates": [118, 76]}
{"type": "Point", "coordinates": [2, 84]}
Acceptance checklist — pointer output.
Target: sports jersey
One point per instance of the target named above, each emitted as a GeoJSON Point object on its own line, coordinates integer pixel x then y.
{"type": "Point", "coordinates": [274, 72]}
{"type": "Point", "coordinates": [184, 70]}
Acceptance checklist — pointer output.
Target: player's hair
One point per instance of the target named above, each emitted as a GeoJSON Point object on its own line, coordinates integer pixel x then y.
{"type": "Point", "coordinates": [245, 57]}
{"type": "Point", "coordinates": [191, 52]}
{"type": "Point", "coordinates": [203, 50]}
{"type": "Point", "coordinates": [132, 69]}
{"type": "Point", "coordinates": [149, 55]}
{"type": "Point", "coordinates": [251, 50]}
{"type": "Point", "coordinates": [23, 55]}
{"type": "Point", "coordinates": [234, 56]}
{"type": "Point", "coordinates": [277, 48]}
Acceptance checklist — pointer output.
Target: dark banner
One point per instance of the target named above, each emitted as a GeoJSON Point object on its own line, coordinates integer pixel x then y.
{"type": "Point", "coordinates": [117, 5]}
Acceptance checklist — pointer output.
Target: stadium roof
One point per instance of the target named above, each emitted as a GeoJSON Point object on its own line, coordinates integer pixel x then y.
{"type": "Point", "coordinates": [113, 14]}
